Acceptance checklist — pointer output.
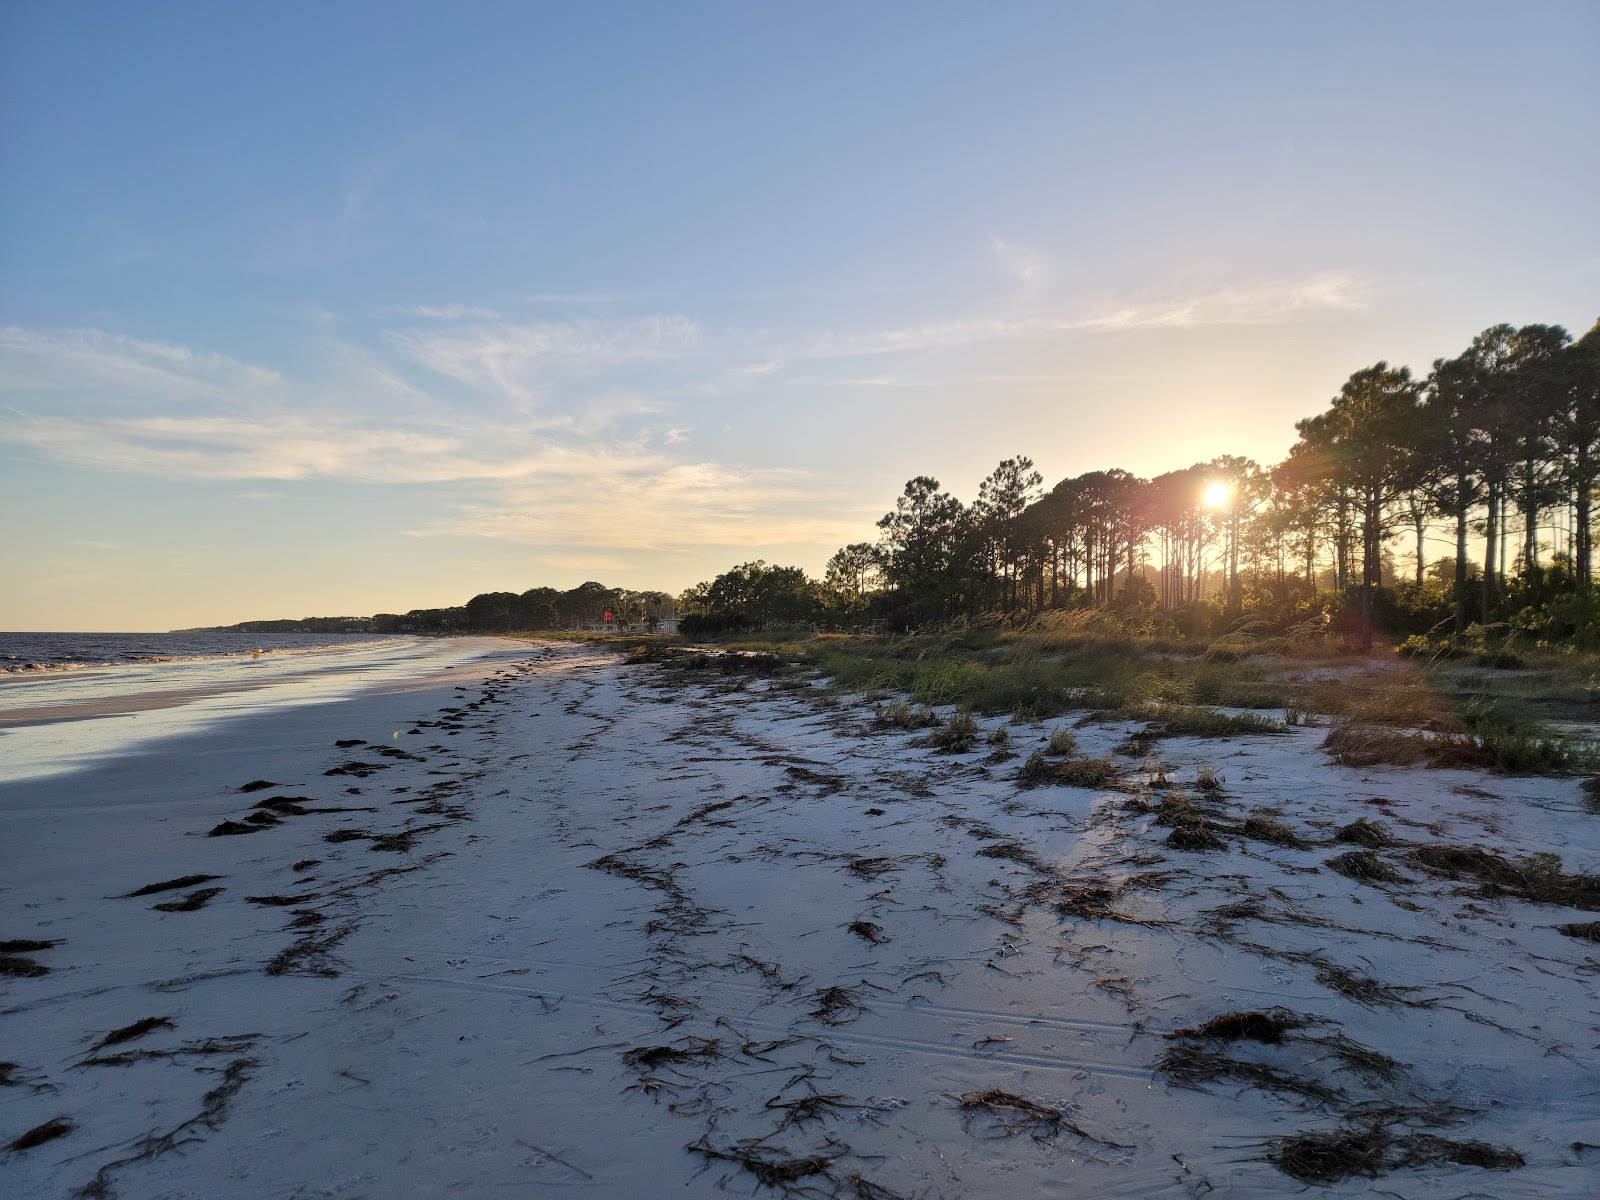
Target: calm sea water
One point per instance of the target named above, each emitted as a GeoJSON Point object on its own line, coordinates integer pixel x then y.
{"type": "Point", "coordinates": [86, 696]}
{"type": "Point", "coordinates": [29, 652]}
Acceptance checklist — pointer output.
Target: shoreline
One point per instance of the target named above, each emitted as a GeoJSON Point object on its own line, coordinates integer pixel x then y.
{"type": "Point", "coordinates": [56, 723]}
{"type": "Point", "coordinates": [585, 899]}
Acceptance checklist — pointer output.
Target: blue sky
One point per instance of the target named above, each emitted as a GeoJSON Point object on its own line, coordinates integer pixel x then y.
{"type": "Point", "coordinates": [315, 309]}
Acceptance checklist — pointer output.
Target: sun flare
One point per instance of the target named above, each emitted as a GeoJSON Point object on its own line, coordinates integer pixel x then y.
{"type": "Point", "coordinates": [1217, 495]}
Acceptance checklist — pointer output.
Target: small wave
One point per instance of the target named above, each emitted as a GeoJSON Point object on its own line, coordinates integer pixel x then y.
{"type": "Point", "coordinates": [71, 660]}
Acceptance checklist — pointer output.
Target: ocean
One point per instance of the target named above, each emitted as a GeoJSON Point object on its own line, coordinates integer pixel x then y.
{"type": "Point", "coordinates": [31, 652]}
{"type": "Point", "coordinates": [70, 699]}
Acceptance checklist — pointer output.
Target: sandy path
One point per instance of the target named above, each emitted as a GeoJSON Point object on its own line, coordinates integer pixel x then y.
{"type": "Point", "coordinates": [625, 932]}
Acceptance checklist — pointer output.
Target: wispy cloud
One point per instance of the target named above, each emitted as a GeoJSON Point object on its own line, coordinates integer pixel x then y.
{"type": "Point", "coordinates": [507, 359]}
{"type": "Point", "coordinates": [1243, 304]}
{"type": "Point", "coordinates": [445, 312]}
{"type": "Point", "coordinates": [632, 498]}
{"type": "Point", "coordinates": [118, 404]}
{"type": "Point", "coordinates": [91, 364]}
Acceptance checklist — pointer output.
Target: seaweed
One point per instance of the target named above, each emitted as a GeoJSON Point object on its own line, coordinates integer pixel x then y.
{"type": "Point", "coordinates": [56, 1127]}
{"type": "Point", "coordinates": [170, 885]}
{"type": "Point", "coordinates": [1362, 832]}
{"type": "Point", "coordinates": [136, 1030]}
{"type": "Point", "coordinates": [194, 900]}
{"type": "Point", "coordinates": [1371, 1150]}
{"type": "Point", "coordinates": [1266, 1026]}
{"type": "Point", "coordinates": [1364, 866]}
{"type": "Point", "coordinates": [27, 945]}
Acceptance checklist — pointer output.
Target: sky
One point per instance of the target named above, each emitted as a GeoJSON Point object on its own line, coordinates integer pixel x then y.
{"type": "Point", "coordinates": [313, 309]}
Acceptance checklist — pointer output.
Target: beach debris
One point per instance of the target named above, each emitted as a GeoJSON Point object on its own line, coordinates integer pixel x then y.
{"type": "Point", "coordinates": [1364, 866]}
{"type": "Point", "coordinates": [1362, 832]}
{"type": "Point", "coordinates": [1267, 1026]}
{"type": "Point", "coordinates": [1266, 829]}
{"type": "Point", "coordinates": [1371, 1150]}
{"type": "Point", "coordinates": [256, 785]}
{"type": "Point", "coordinates": [232, 829]}
{"type": "Point", "coordinates": [56, 1127]}
{"type": "Point", "coordinates": [136, 1030]}
{"type": "Point", "coordinates": [282, 901]}
{"type": "Point", "coordinates": [14, 966]}
{"type": "Point", "coordinates": [868, 931]}
{"type": "Point", "coordinates": [310, 953]}
{"type": "Point", "coordinates": [1589, 931]}
{"type": "Point", "coordinates": [995, 1113]}
{"type": "Point", "coordinates": [26, 945]}
{"type": "Point", "coordinates": [772, 1166]}
{"type": "Point", "coordinates": [838, 1005]}
{"type": "Point", "coordinates": [194, 900]}
{"type": "Point", "coordinates": [1537, 878]}
{"type": "Point", "coordinates": [214, 1107]}
{"type": "Point", "coordinates": [1196, 836]}
{"type": "Point", "coordinates": [346, 743]}
{"type": "Point", "coordinates": [1190, 1066]}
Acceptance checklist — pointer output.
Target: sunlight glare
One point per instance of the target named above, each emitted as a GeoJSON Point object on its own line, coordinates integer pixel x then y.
{"type": "Point", "coordinates": [1216, 495]}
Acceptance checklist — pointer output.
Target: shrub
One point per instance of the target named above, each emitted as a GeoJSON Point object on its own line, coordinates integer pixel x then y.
{"type": "Point", "coordinates": [1062, 743]}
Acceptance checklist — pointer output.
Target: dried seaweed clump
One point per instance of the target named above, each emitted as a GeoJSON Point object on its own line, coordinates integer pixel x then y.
{"type": "Point", "coordinates": [52, 1129]}
{"type": "Point", "coordinates": [1362, 832]}
{"type": "Point", "coordinates": [1537, 878]}
{"type": "Point", "coordinates": [994, 1113]}
{"type": "Point", "coordinates": [1364, 866]}
{"type": "Point", "coordinates": [772, 1166]}
{"type": "Point", "coordinates": [136, 1030]}
{"type": "Point", "coordinates": [1371, 1150]}
{"type": "Point", "coordinates": [1268, 1026]}
{"type": "Point", "coordinates": [1265, 829]}
{"type": "Point", "coordinates": [1195, 835]}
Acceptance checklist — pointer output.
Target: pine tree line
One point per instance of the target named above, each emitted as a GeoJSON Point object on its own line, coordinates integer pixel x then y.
{"type": "Point", "coordinates": [1497, 448]}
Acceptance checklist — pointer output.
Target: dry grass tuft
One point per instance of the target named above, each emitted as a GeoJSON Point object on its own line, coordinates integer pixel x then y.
{"type": "Point", "coordinates": [1091, 773]}
{"type": "Point", "coordinates": [1062, 744]}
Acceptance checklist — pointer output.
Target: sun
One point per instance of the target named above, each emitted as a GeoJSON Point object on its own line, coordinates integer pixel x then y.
{"type": "Point", "coordinates": [1217, 495]}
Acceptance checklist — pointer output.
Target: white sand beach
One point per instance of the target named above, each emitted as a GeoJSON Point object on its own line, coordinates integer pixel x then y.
{"type": "Point", "coordinates": [565, 925]}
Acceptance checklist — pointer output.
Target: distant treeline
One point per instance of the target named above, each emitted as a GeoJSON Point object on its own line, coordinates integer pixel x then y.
{"type": "Point", "coordinates": [540, 608]}
{"type": "Point", "coordinates": [1494, 451]}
